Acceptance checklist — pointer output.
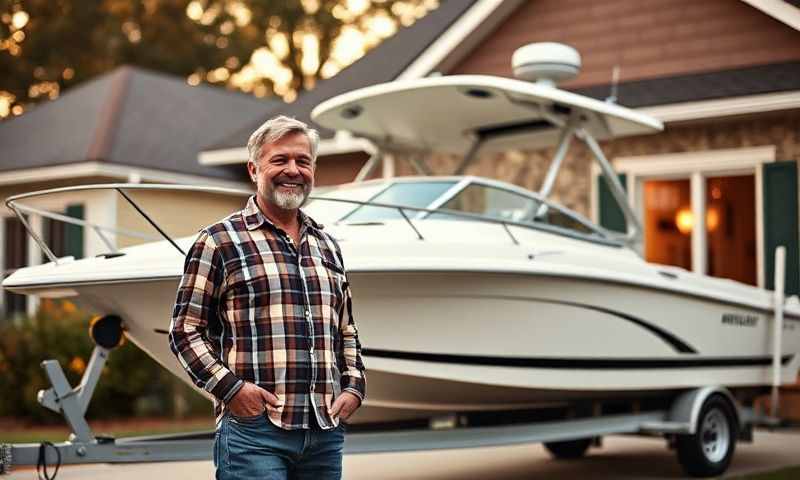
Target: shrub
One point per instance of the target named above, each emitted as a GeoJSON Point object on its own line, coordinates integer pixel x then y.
{"type": "Point", "coordinates": [131, 383]}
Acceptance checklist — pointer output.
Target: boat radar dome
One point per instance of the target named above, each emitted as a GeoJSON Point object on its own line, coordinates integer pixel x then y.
{"type": "Point", "coordinates": [546, 63]}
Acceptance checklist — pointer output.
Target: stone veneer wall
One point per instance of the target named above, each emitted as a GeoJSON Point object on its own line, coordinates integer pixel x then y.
{"type": "Point", "coordinates": [573, 188]}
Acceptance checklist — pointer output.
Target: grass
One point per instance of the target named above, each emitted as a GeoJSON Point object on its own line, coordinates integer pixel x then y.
{"type": "Point", "coordinates": [791, 473]}
{"type": "Point", "coordinates": [16, 432]}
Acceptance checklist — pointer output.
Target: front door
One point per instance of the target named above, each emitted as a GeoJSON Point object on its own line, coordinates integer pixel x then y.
{"type": "Point", "coordinates": [728, 221]}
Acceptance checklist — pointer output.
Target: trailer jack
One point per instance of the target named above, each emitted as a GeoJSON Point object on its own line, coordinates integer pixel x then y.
{"type": "Point", "coordinates": [83, 446]}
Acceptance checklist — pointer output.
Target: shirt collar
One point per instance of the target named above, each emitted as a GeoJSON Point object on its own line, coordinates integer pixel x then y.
{"type": "Point", "coordinates": [254, 218]}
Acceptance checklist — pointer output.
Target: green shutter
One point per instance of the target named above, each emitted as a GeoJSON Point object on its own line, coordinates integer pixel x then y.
{"type": "Point", "coordinates": [73, 234]}
{"type": "Point", "coordinates": [611, 215]}
{"type": "Point", "coordinates": [781, 222]}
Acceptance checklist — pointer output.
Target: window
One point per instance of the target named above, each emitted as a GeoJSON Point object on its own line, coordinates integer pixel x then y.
{"type": "Point", "coordinates": [731, 228]}
{"type": "Point", "coordinates": [668, 222]}
{"type": "Point", "coordinates": [64, 239]}
{"type": "Point", "coordinates": [416, 194]}
{"type": "Point", "coordinates": [16, 256]}
{"type": "Point", "coordinates": [703, 209]}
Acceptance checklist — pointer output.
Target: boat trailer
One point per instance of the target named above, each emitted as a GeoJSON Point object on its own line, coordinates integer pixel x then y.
{"type": "Point", "coordinates": [702, 424]}
{"type": "Point", "coordinates": [686, 418]}
{"type": "Point", "coordinates": [564, 438]}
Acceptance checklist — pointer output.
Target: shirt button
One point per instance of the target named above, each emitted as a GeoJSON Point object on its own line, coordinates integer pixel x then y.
{"type": "Point", "coordinates": [312, 387]}
{"type": "Point", "coordinates": [308, 313]}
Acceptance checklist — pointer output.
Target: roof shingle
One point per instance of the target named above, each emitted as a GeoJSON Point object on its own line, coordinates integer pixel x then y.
{"type": "Point", "coordinates": [129, 116]}
{"type": "Point", "coordinates": [760, 79]}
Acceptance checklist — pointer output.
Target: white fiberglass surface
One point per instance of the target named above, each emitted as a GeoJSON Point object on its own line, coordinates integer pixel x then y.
{"type": "Point", "coordinates": [445, 113]}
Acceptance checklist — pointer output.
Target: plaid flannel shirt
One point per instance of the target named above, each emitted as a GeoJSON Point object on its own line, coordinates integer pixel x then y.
{"type": "Point", "coordinates": [252, 307]}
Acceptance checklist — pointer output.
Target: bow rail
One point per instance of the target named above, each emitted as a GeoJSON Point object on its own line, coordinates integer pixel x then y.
{"type": "Point", "coordinates": [16, 205]}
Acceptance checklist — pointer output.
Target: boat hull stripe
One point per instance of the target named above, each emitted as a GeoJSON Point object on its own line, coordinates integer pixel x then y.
{"type": "Point", "coordinates": [576, 363]}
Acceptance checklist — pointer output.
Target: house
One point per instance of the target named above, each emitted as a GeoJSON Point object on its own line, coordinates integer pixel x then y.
{"type": "Point", "coordinates": [134, 125]}
{"type": "Point", "coordinates": [129, 125]}
{"type": "Point", "coordinates": [717, 190]}
{"type": "Point", "coordinates": [723, 75]}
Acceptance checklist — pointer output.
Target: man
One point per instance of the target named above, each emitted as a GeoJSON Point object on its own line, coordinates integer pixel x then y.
{"type": "Point", "coordinates": [263, 322]}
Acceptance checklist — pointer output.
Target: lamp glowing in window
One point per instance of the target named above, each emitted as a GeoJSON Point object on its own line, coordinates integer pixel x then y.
{"type": "Point", "coordinates": [712, 219]}
{"type": "Point", "coordinates": [684, 220]}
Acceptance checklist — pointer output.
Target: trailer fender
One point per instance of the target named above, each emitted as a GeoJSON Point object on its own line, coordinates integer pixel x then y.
{"type": "Point", "coordinates": [685, 410]}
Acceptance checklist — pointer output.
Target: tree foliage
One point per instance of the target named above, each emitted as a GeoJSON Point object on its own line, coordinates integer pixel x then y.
{"type": "Point", "coordinates": [260, 46]}
{"type": "Point", "coordinates": [131, 382]}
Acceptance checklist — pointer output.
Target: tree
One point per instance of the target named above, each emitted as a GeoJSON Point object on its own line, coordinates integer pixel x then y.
{"type": "Point", "coordinates": [266, 47]}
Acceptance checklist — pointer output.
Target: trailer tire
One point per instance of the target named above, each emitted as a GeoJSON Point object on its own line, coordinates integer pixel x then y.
{"type": "Point", "coordinates": [568, 449]}
{"type": "Point", "coordinates": [708, 452]}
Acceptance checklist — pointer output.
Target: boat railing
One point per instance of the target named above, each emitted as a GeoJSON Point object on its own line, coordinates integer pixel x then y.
{"type": "Point", "coordinates": [21, 210]}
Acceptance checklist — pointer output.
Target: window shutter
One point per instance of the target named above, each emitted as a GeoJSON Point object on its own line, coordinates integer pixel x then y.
{"type": "Point", "coordinates": [781, 222]}
{"type": "Point", "coordinates": [611, 216]}
{"type": "Point", "coordinates": [73, 234]}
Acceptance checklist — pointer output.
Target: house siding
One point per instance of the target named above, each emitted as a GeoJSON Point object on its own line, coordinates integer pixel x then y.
{"type": "Point", "coordinates": [338, 169]}
{"type": "Point", "coordinates": [646, 38]}
{"type": "Point", "coordinates": [178, 213]}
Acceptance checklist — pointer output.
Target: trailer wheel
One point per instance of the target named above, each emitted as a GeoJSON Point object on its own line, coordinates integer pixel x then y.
{"type": "Point", "coordinates": [708, 452]}
{"type": "Point", "coordinates": [568, 449]}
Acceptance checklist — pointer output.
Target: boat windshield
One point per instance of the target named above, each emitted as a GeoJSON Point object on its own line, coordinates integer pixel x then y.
{"type": "Point", "coordinates": [406, 194]}
{"type": "Point", "coordinates": [502, 204]}
{"type": "Point", "coordinates": [466, 200]}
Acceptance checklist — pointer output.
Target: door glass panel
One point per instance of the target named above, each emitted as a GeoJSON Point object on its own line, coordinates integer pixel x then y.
{"type": "Point", "coordinates": [668, 222]}
{"type": "Point", "coordinates": [731, 228]}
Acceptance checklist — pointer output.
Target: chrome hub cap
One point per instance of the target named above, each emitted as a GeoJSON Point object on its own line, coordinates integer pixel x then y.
{"type": "Point", "coordinates": [715, 436]}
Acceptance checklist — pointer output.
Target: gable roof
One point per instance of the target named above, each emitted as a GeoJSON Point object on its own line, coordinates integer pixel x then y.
{"type": "Point", "coordinates": [381, 64]}
{"type": "Point", "coordinates": [129, 116]}
{"type": "Point", "coordinates": [739, 82]}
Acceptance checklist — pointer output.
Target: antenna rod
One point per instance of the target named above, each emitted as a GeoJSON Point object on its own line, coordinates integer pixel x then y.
{"type": "Point", "coordinates": [614, 85]}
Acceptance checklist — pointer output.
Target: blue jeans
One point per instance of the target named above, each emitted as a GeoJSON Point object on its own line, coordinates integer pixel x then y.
{"type": "Point", "coordinates": [252, 448]}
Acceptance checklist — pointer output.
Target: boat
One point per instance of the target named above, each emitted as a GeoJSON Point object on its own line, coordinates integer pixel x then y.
{"type": "Point", "coordinates": [471, 294]}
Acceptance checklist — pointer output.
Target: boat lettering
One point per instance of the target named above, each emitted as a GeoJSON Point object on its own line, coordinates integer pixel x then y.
{"type": "Point", "coordinates": [739, 320]}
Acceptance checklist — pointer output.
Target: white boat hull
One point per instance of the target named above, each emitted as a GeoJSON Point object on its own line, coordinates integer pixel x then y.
{"type": "Point", "coordinates": [464, 341]}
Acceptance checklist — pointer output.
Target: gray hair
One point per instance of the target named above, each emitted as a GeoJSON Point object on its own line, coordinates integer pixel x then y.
{"type": "Point", "coordinates": [276, 128]}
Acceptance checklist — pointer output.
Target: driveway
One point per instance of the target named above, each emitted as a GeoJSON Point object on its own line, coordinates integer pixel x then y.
{"type": "Point", "coordinates": [618, 458]}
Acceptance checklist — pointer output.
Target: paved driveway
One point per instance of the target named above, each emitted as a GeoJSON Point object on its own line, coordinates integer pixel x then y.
{"type": "Point", "coordinates": [619, 458]}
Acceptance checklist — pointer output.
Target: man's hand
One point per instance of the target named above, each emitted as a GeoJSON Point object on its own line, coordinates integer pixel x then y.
{"type": "Point", "coordinates": [252, 400]}
{"type": "Point", "coordinates": [344, 405]}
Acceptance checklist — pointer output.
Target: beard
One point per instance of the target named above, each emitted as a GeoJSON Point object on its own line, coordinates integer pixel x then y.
{"type": "Point", "coordinates": [291, 200]}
